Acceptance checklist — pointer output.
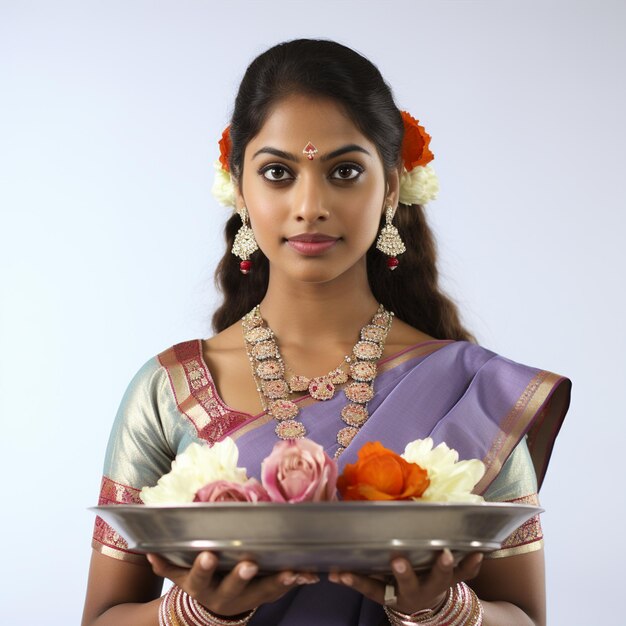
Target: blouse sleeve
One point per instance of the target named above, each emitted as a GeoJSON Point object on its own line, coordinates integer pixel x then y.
{"type": "Point", "coordinates": [138, 453]}
{"type": "Point", "coordinates": [517, 483]}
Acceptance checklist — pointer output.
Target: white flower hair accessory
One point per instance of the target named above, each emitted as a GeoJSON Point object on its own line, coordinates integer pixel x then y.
{"type": "Point", "coordinates": [223, 189]}
{"type": "Point", "coordinates": [418, 182]}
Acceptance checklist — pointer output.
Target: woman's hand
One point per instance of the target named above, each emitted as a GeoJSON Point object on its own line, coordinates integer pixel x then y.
{"type": "Point", "coordinates": [233, 593]}
{"type": "Point", "coordinates": [414, 592]}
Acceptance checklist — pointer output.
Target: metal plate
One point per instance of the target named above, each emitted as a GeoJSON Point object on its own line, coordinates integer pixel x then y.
{"type": "Point", "coordinates": [320, 536]}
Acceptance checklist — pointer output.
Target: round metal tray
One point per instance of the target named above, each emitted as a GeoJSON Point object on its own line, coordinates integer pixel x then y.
{"type": "Point", "coordinates": [321, 536]}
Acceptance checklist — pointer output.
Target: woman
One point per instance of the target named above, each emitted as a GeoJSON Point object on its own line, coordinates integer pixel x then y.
{"type": "Point", "coordinates": [328, 180]}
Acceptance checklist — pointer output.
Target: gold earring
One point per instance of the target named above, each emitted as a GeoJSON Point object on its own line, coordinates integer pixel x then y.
{"type": "Point", "coordinates": [245, 243]}
{"type": "Point", "coordinates": [389, 241]}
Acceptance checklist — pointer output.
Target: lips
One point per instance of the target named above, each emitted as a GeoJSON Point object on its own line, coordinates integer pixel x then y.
{"type": "Point", "coordinates": [312, 244]}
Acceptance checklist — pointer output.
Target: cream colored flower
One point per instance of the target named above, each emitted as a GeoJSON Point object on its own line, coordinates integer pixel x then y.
{"type": "Point", "coordinates": [419, 186]}
{"type": "Point", "coordinates": [223, 189]}
{"type": "Point", "coordinates": [451, 480]}
{"type": "Point", "coordinates": [197, 466]}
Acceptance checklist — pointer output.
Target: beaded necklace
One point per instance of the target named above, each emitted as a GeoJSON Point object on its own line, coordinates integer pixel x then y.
{"type": "Point", "coordinates": [268, 369]}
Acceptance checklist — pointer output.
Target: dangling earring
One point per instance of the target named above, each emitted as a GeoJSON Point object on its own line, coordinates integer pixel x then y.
{"type": "Point", "coordinates": [389, 241]}
{"type": "Point", "coordinates": [245, 243]}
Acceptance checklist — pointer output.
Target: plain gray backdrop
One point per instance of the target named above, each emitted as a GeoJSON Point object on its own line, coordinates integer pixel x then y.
{"type": "Point", "coordinates": [110, 114]}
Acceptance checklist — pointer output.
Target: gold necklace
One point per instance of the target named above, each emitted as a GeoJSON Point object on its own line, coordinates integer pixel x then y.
{"type": "Point", "coordinates": [268, 370]}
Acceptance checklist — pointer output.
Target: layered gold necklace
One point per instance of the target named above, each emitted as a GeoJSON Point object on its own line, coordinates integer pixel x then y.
{"type": "Point", "coordinates": [269, 371]}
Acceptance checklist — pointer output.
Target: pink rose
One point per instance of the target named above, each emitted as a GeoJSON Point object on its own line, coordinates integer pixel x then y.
{"type": "Point", "coordinates": [298, 470]}
{"type": "Point", "coordinates": [226, 491]}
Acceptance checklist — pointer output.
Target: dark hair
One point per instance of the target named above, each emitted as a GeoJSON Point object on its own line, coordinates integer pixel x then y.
{"type": "Point", "coordinates": [328, 69]}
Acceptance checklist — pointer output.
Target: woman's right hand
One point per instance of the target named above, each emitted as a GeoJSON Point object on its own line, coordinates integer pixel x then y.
{"type": "Point", "coordinates": [233, 593]}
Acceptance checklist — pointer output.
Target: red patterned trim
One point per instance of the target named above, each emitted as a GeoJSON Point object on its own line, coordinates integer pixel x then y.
{"type": "Point", "coordinates": [105, 538]}
{"type": "Point", "coordinates": [196, 394]}
{"type": "Point", "coordinates": [528, 532]}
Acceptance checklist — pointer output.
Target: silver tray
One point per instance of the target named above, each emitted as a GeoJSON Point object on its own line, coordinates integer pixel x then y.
{"type": "Point", "coordinates": [320, 536]}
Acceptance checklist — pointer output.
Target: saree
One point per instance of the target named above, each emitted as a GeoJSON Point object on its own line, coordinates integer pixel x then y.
{"type": "Point", "coordinates": [481, 404]}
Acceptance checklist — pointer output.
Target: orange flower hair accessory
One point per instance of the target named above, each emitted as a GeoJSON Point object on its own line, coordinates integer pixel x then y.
{"type": "Point", "coordinates": [225, 145]}
{"type": "Point", "coordinates": [223, 188]}
{"type": "Point", "coordinates": [418, 182]}
{"type": "Point", "coordinates": [415, 150]}
{"type": "Point", "coordinates": [381, 474]}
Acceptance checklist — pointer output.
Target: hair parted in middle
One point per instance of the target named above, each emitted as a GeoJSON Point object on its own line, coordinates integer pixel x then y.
{"type": "Point", "coordinates": [327, 69]}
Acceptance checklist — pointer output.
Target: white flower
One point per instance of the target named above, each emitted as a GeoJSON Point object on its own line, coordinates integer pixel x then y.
{"type": "Point", "coordinates": [451, 480]}
{"type": "Point", "coordinates": [419, 186]}
{"type": "Point", "coordinates": [223, 189]}
{"type": "Point", "coordinates": [197, 466]}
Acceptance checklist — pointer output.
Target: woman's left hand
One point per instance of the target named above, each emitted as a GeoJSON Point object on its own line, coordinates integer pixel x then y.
{"type": "Point", "coordinates": [414, 592]}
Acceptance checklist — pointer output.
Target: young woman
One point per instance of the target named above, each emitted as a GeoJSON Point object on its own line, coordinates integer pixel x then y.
{"type": "Point", "coordinates": [329, 178]}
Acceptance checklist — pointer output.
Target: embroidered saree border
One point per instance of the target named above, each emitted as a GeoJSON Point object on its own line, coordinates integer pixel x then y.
{"type": "Point", "coordinates": [195, 392]}
{"type": "Point", "coordinates": [539, 398]}
{"type": "Point", "coordinates": [421, 349]}
{"type": "Point", "coordinates": [106, 539]}
{"type": "Point", "coordinates": [527, 538]}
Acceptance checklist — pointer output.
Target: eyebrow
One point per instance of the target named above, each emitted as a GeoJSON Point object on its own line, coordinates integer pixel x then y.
{"type": "Point", "coordinates": [292, 157]}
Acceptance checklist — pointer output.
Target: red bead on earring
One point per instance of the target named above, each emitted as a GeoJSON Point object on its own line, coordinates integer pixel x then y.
{"type": "Point", "coordinates": [392, 263]}
{"type": "Point", "coordinates": [245, 267]}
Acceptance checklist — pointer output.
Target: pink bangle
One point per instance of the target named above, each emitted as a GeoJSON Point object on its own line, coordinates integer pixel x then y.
{"type": "Point", "coordinates": [461, 608]}
{"type": "Point", "coordinates": [177, 608]}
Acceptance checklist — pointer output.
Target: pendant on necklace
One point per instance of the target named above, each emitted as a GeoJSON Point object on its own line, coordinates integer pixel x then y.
{"type": "Point", "coordinates": [321, 388]}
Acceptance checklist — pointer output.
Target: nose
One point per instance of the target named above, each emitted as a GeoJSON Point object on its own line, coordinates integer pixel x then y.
{"type": "Point", "coordinates": [310, 203]}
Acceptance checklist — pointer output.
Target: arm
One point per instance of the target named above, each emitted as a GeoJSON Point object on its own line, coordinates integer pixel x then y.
{"type": "Point", "coordinates": [512, 590]}
{"type": "Point", "coordinates": [120, 593]}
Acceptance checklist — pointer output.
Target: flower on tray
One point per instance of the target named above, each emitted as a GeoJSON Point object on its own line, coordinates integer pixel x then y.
{"type": "Point", "coordinates": [451, 480]}
{"type": "Point", "coordinates": [224, 491]}
{"type": "Point", "coordinates": [381, 474]}
{"type": "Point", "coordinates": [193, 469]}
{"type": "Point", "coordinates": [300, 471]}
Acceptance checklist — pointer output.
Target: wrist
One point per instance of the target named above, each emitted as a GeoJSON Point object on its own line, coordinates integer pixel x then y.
{"type": "Point", "coordinates": [460, 606]}
{"type": "Point", "coordinates": [179, 609]}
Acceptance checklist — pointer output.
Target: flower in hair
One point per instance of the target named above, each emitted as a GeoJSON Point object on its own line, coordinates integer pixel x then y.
{"type": "Point", "coordinates": [415, 150]}
{"type": "Point", "coordinates": [418, 182]}
{"type": "Point", "coordinates": [419, 186]}
{"type": "Point", "coordinates": [223, 189]}
{"type": "Point", "coordinates": [226, 146]}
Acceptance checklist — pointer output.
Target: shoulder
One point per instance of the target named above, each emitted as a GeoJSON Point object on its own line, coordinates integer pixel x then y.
{"type": "Point", "coordinates": [402, 336]}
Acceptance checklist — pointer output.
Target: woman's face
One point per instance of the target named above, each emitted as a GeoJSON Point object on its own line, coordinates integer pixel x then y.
{"type": "Point", "coordinates": [314, 218]}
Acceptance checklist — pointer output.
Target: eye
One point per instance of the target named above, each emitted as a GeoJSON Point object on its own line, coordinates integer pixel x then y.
{"type": "Point", "coordinates": [275, 173]}
{"type": "Point", "coordinates": [347, 171]}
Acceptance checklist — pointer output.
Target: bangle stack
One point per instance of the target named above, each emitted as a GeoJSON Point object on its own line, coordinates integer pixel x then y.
{"type": "Point", "coordinates": [179, 609]}
{"type": "Point", "coordinates": [461, 608]}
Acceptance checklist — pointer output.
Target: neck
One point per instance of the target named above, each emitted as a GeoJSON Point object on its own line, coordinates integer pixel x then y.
{"type": "Point", "coordinates": [322, 317]}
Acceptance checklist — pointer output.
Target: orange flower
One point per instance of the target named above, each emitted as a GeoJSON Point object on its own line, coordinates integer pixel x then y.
{"type": "Point", "coordinates": [381, 474]}
{"type": "Point", "coordinates": [415, 150]}
{"type": "Point", "coordinates": [225, 147]}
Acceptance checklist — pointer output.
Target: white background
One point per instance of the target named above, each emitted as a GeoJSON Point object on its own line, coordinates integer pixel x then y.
{"type": "Point", "coordinates": [109, 117]}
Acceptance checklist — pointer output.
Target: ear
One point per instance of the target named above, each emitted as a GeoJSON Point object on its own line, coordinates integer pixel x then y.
{"type": "Point", "coordinates": [239, 201]}
{"type": "Point", "coordinates": [392, 196]}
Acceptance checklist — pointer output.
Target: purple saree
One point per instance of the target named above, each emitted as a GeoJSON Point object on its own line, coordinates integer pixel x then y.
{"type": "Point", "coordinates": [479, 403]}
